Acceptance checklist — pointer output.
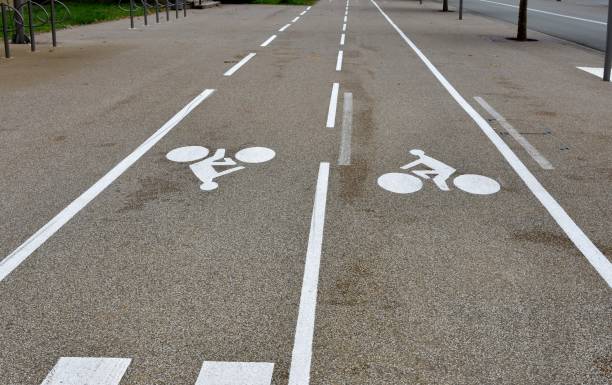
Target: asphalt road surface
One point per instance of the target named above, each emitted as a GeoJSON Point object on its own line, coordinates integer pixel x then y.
{"type": "Point", "coordinates": [260, 195]}
{"type": "Point", "coordinates": [582, 22]}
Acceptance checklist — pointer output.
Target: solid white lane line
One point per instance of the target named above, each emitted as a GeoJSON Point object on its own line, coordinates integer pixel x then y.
{"type": "Point", "coordinates": [235, 373]}
{"type": "Point", "coordinates": [333, 102]}
{"type": "Point", "coordinates": [342, 39]}
{"type": "Point", "coordinates": [299, 372]}
{"type": "Point", "coordinates": [284, 27]}
{"type": "Point", "coordinates": [344, 27]}
{"type": "Point", "coordinates": [339, 61]}
{"type": "Point", "coordinates": [296, 19]}
{"type": "Point", "coordinates": [548, 13]}
{"type": "Point", "coordinates": [535, 154]}
{"type": "Point", "coordinates": [237, 66]}
{"type": "Point", "coordinates": [344, 159]}
{"type": "Point", "coordinates": [574, 233]}
{"type": "Point", "coordinates": [87, 370]}
{"type": "Point", "coordinates": [265, 43]}
{"type": "Point", "coordinates": [13, 260]}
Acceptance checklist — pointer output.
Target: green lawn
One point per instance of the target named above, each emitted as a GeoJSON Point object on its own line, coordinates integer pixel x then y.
{"type": "Point", "coordinates": [80, 12]}
{"type": "Point", "coordinates": [92, 11]}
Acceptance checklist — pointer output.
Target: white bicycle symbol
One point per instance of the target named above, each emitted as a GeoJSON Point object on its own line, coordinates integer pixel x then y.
{"type": "Point", "coordinates": [402, 183]}
{"type": "Point", "coordinates": [205, 168]}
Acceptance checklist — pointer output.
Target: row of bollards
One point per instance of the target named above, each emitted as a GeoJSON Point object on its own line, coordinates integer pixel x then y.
{"type": "Point", "coordinates": [6, 9]}
{"type": "Point", "coordinates": [145, 6]}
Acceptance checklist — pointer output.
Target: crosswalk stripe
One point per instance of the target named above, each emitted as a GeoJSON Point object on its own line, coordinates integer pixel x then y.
{"type": "Point", "coordinates": [87, 371]}
{"type": "Point", "coordinates": [235, 373]}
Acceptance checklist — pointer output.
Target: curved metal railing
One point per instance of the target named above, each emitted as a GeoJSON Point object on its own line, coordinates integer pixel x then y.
{"type": "Point", "coordinates": [19, 23]}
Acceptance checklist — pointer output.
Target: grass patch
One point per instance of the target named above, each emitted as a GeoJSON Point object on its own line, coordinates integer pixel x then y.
{"type": "Point", "coordinates": [83, 12]}
{"type": "Point", "coordinates": [80, 13]}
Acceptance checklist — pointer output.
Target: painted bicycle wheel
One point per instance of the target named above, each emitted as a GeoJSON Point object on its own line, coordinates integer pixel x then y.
{"type": "Point", "coordinates": [255, 155]}
{"type": "Point", "coordinates": [476, 184]}
{"type": "Point", "coordinates": [400, 183]}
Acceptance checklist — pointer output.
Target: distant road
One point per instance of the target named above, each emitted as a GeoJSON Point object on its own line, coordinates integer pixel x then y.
{"type": "Point", "coordinates": [583, 22]}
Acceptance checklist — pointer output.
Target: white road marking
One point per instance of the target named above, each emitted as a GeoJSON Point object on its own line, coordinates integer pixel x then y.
{"type": "Point", "coordinates": [344, 27]}
{"type": "Point", "coordinates": [345, 19]}
{"type": "Point", "coordinates": [13, 260]}
{"type": "Point", "coordinates": [255, 155]}
{"type": "Point", "coordinates": [265, 43]}
{"type": "Point", "coordinates": [535, 154]}
{"type": "Point", "coordinates": [308, 9]}
{"type": "Point", "coordinates": [547, 13]}
{"type": "Point", "coordinates": [346, 13]}
{"type": "Point", "coordinates": [296, 19]}
{"type": "Point", "coordinates": [597, 71]}
{"type": "Point", "coordinates": [339, 60]}
{"type": "Point", "coordinates": [574, 233]}
{"type": "Point", "coordinates": [284, 27]}
{"type": "Point", "coordinates": [299, 373]}
{"type": "Point", "coordinates": [235, 373]}
{"type": "Point", "coordinates": [302, 14]}
{"type": "Point", "coordinates": [87, 371]}
{"type": "Point", "coordinates": [333, 102]}
{"type": "Point", "coordinates": [237, 66]}
{"type": "Point", "coordinates": [342, 39]}
{"type": "Point", "coordinates": [206, 169]}
{"type": "Point", "coordinates": [344, 159]}
{"type": "Point", "coordinates": [441, 172]}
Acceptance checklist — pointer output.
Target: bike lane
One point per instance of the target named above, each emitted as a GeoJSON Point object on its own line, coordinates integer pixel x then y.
{"type": "Point", "coordinates": [70, 115]}
{"type": "Point", "coordinates": [442, 286]}
{"type": "Point", "coordinates": [160, 272]}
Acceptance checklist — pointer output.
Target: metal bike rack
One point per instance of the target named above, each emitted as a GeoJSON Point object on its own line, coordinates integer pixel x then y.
{"type": "Point", "coordinates": [37, 16]}
{"type": "Point", "coordinates": [156, 5]}
{"type": "Point", "coordinates": [7, 47]}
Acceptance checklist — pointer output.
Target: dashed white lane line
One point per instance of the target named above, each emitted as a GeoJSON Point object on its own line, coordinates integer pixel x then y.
{"type": "Point", "coordinates": [299, 372]}
{"type": "Point", "coordinates": [333, 102]}
{"type": "Point", "coordinates": [344, 159]}
{"type": "Point", "coordinates": [308, 9]}
{"type": "Point", "coordinates": [303, 13]}
{"type": "Point", "coordinates": [296, 19]}
{"type": "Point", "coordinates": [339, 61]}
{"type": "Point", "coordinates": [284, 28]}
{"type": "Point", "coordinates": [265, 43]}
{"type": "Point", "coordinates": [237, 66]}
{"type": "Point", "coordinates": [345, 19]}
{"type": "Point", "coordinates": [87, 370]}
{"type": "Point", "coordinates": [574, 233]}
{"type": "Point", "coordinates": [548, 13]}
{"type": "Point", "coordinates": [535, 154]}
{"type": "Point", "coordinates": [344, 27]}
{"type": "Point", "coordinates": [342, 39]}
{"type": "Point", "coordinates": [13, 260]}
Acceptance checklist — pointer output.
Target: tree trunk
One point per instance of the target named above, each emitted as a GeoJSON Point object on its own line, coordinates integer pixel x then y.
{"type": "Point", "coordinates": [445, 6]}
{"type": "Point", "coordinates": [19, 36]}
{"type": "Point", "coordinates": [522, 21]}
